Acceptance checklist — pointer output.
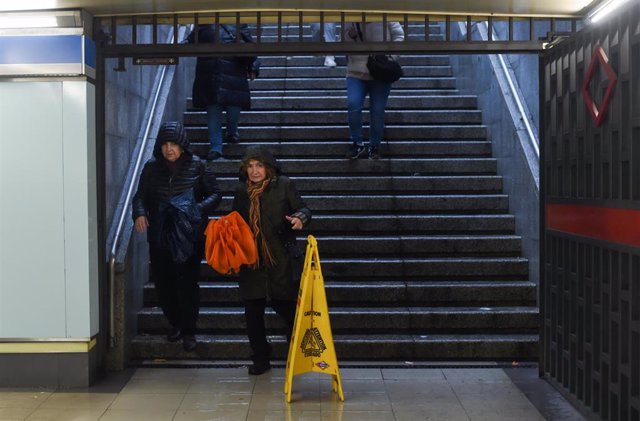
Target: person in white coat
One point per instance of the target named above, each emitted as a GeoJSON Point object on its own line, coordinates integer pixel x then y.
{"type": "Point", "coordinates": [329, 36]}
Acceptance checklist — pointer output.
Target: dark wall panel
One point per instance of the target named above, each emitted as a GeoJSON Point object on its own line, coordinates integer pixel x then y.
{"type": "Point", "coordinates": [590, 289]}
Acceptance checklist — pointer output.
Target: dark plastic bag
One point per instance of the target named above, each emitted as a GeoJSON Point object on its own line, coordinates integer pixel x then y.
{"type": "Point", "coordinates": [179, 235]}
{"type": "Point", "coordinates": [180, 222]}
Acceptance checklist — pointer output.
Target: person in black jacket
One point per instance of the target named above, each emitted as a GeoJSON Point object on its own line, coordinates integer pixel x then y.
{"type": "Point", "coordinates": [175, 194]}
{"type": "Point", "coordinates": [221, 84]}
{"type": "Point", "coordinates": [272, 207]}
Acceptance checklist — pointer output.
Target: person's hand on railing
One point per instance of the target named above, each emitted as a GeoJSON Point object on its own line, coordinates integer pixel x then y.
{"type": "Point", "coordinates": [142, 223]}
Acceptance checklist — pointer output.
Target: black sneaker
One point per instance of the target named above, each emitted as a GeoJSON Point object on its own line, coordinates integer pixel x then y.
{"type": "Point", "coordinates": [213, 155]}
{"type": "Point", "coordinates": [232, 138]}
{"type": "Point", "coordinates": [189, 342]}
{"type": "Point", "coordinates": [373, 152]}
{"type": "Point", "coordinates": [355, 151]}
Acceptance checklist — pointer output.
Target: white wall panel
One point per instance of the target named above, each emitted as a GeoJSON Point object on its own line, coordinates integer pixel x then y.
{"type": "Point", "coordinates": [80, 229]}
{"type": "Point", "coordinates": [32, 275]}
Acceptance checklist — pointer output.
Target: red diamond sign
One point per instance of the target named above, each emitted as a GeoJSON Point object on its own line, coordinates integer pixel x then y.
{"type": "Point", "coordinates": [599, 57]}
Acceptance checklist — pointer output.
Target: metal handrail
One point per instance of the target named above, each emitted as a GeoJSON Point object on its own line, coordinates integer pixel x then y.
{"type": "Point", "coordinates": [127, 202]}
{"type": "Point", "coordinates": [125, 209]}
{"type": "Point", "coordinates": [533, 138]}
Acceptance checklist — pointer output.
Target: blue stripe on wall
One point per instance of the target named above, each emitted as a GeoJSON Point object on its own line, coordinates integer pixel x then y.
{"type": "Point", "coordinates": [89, 52]}
{"type": "Point", "coordinates": [39, 49]}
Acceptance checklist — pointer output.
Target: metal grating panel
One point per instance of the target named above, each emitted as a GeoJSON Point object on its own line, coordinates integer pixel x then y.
{"type": "Point", "coordinates": [590, 291]}
{"type": "Point", "coordinates": [294, 33]}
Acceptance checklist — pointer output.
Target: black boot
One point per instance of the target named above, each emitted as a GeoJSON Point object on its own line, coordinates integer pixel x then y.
{"type": "Point", "coordinates": [259, 367]}
{"type": "Point", "coordinates": [189, 342]}
{"type": "Point", "coordinates": [175, 335]}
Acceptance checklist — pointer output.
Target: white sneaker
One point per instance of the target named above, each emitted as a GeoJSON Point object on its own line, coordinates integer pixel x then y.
{"type": "Point", "coordinates": [329, 61]}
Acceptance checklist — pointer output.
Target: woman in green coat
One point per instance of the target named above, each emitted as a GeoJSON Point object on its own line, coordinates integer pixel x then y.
{"type": "Point", "coordinates": [273, 208]}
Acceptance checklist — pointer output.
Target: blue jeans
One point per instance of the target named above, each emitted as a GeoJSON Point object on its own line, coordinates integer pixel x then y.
{"type": "Point", "coordinates": [214, 123]}
{"type": "Point", "coordinates": [329, 32]}
{"type": "Point", "coordinates": [357, 90]}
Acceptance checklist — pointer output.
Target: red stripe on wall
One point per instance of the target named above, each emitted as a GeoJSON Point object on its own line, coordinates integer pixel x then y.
{"type": "Point", "coordinates": [608, 224]}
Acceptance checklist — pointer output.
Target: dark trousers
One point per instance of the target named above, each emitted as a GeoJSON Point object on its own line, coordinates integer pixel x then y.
{"type": "Point", "coordinates": [177, 287]}
{"type": "Point", "coordinates": [256, 331]}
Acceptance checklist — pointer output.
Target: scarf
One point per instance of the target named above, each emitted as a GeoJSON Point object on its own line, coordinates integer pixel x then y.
{"type": "Point", "coordinates": [255, 192]}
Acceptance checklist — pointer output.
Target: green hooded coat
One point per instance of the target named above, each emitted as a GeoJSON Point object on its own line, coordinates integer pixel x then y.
{"type": "Point", "coordinates": [280, 199]}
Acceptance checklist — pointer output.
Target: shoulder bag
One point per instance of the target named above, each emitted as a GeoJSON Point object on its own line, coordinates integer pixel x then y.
{"type": "Point", "coordinates": [382, 67]}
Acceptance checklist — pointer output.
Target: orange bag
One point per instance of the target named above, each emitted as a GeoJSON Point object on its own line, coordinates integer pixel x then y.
{"type": "Point", "coordinates": [229, 244]}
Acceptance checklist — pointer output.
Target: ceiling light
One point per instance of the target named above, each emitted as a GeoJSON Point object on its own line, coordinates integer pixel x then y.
{"type": "Point", "coordinates": [604, 9]}
{"type": "Point", "coordinates": [28, 22]}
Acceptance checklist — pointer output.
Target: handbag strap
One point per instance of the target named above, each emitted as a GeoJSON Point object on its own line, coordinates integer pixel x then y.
{"type": "Point", "coordinates": [359, 32]}
{"type": "Point", "coordinates": [233, 37]}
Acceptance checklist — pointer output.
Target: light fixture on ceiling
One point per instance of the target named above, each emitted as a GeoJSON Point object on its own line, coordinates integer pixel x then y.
{"type": "Point", "coordinates": [604, 9]}
{"type": "Point", "coordinates": [28, 22]}
{"type": "Point", "coordinates": [43, 19]}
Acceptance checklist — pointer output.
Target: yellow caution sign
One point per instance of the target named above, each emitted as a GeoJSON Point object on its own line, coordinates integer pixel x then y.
{"type": "Point", "coordinates": [311, 348]}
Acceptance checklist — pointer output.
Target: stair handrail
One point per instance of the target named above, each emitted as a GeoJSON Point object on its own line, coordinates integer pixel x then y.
{"type": "Point", "coordinates": [533, 138]}
{"type": "Point", "coordinates": [129, 183]}
{"type": "Point", "coordinates": [531, 134]}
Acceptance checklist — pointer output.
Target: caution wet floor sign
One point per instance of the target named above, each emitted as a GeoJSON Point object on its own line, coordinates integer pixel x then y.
{"type": "Point", "coordinates": [311, 348]}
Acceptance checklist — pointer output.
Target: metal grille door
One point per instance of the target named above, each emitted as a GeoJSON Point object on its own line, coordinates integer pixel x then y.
{"type": "Point", "coordinates": [590, 291]}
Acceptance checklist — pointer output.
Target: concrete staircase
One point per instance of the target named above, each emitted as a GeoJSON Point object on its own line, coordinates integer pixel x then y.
{"type": "Point", "coordinates": [418, 250]}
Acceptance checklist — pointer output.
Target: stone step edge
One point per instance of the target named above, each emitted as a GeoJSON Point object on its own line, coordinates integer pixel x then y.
{"type": "Point", "coordinates": [350, 338]}
{"type": "Point", "coordinates": [156, 311]}
{"type": "Point", "coordinates": [348, 364]}
{"type": "Point", "coordinates": [386, 284]}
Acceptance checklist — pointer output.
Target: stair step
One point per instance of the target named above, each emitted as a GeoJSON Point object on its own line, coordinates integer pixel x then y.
{"type": "Point", "coordinates": [399, 167]}
{"type": "Point", "coordinates": [337, 149]}
{"type": "Point", "coordinates": [337, 102]}
{"type": "Point", "coordinates": [419, 245]}
{"type": "Point", "coordinates": [340, 83]}
{"type": "Point", "coordinates": [417, 224]}
{"type": "Point", "coordinates": [225, 292]}
{"type": "Point", "coordinates": [333, 117]}
{"type": "Point", "coordinates": [395, 102]}
{"type": "Point", "coordinates": [412, 246]}
{"type": "Point", "coordinates": [269, 72]}
{"type": "Point", "coordinates": [318, 60]}
{"type": "Point", "coordinates": [450, 268]}
{"type": "Point", "coordinates": [415, 35]}
{"type": "Point", "coordinates": [342, 93]}
{"type": "Point", "coordinates": [336, 99]}
{"type": "Point", "coordinates": [374, 184]}
{"type": "Point", "coordinates": [378, 319]}
{"type": "Point", "coordinates": [488, 203]}
{"type": "Point", "coordinates": [321, 133]}
{"type": "Point", "coordinates": [488, 347]}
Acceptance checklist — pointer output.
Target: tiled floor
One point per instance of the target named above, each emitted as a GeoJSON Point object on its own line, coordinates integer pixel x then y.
{"type": "Point", "coordinates": [229, 394]}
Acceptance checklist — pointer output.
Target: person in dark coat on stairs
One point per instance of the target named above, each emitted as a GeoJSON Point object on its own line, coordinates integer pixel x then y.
{"type": "Point", "coordinates": [176, 192]}
{"type": "Point", "coordinates": [221, 84]}
{"type": "Point", "coordinates": [271, 205]}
